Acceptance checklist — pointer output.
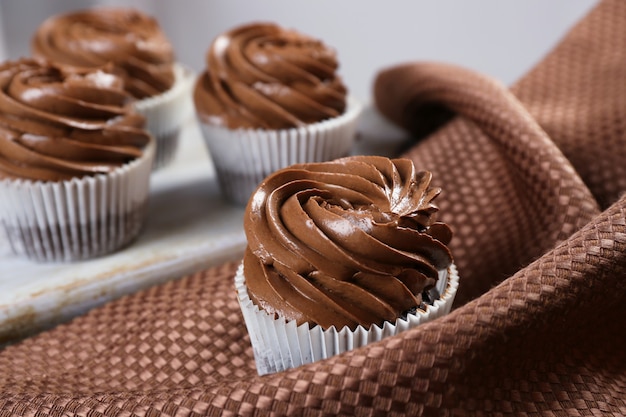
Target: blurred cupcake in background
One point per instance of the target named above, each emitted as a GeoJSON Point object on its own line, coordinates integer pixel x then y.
{"type": "Point", "coordinates": [75, 162]}
{"type": "Point", "coordinates": [268, 98]}
{"type": "Point", "coordinates": [131, 45]}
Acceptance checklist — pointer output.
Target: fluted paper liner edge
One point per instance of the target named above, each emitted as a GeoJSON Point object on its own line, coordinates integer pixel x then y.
{"type": "Point", "coordinates": [244, 157]}
{"type": "Point", "coordinates": [279, 344]}
{"type": "Point", "coordinates": [76, 219]}
{"type": "Point", "coordinates": [166, 114]}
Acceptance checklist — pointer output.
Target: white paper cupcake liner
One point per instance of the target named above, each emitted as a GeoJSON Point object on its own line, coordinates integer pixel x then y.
{"type": "Point", "coordinates": [76, 219]}
{"type": "Point", "coordinates": [244, 157]}
{"type": "Point", "coordinates": [166, 114]}
{"type": "Point", "coordinates": [279, 344]}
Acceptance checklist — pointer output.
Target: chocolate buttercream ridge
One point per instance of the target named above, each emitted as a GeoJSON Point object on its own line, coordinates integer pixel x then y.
{"type": "Point", "coordinates": [337, 230]}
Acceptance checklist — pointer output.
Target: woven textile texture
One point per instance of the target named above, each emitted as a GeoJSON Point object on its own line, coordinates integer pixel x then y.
{"type": "Point", "coordinates": [532, 179]}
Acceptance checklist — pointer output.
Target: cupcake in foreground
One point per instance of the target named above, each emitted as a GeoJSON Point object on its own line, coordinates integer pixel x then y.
{"type": "Point", "coordinates": [132, 46]}
{"type": "Point", "coordinates": [75, 162]}
{"type": "Point", "coordinates": [269, 98]}
{"type": "Point", "coordinates": [341, 254]}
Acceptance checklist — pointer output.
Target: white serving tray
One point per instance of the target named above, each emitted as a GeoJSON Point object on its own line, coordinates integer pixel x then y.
{"type": "Point", "coordinates": [189, 227]}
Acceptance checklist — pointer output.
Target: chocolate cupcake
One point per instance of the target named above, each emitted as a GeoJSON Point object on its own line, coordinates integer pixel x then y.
{"type": "Point", "coordinates": [132, 46]}
{"type": "Point", "coordinates": [269, 98]}
{"type": "Point", "coordinates": [75, 162]}
{"type": "Point", "coordinates": [341, 254]}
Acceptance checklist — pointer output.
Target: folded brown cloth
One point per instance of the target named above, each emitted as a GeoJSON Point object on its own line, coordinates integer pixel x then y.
{"type": "Point", "coordinates": [540, 324]}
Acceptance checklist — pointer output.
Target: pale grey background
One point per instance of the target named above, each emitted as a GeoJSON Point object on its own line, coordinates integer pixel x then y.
{"type": "Point", "coordinates": [503, 38]}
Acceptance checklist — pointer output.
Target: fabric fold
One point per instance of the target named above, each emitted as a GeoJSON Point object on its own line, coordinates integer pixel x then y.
{"type": "Point", "coordinates": [510, 194]}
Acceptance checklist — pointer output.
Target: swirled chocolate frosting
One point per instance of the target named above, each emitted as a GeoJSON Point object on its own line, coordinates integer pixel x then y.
{"type": "Point", "coordinates": [348, 242]}
{"type": "Point", "coordinates": [263, 76]}
{"type": "Point", "coordinates": [124, 41]}
{"type": "Point", "coordinates": [56, 125]}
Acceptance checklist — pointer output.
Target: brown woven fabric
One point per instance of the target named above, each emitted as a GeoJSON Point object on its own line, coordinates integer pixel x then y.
{"type": "Point", "coordinates": [532, 179]}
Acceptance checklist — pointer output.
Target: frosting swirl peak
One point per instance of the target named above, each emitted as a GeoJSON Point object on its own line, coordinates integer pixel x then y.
{"type": "Point", "coordinates": [56, 125]}
{"type": "Point", "coordinates": [348, 242]}
{"type": "Point", "coordinates": [263, 76]}
{"type": "Point", "coordinates": [123, 41]}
